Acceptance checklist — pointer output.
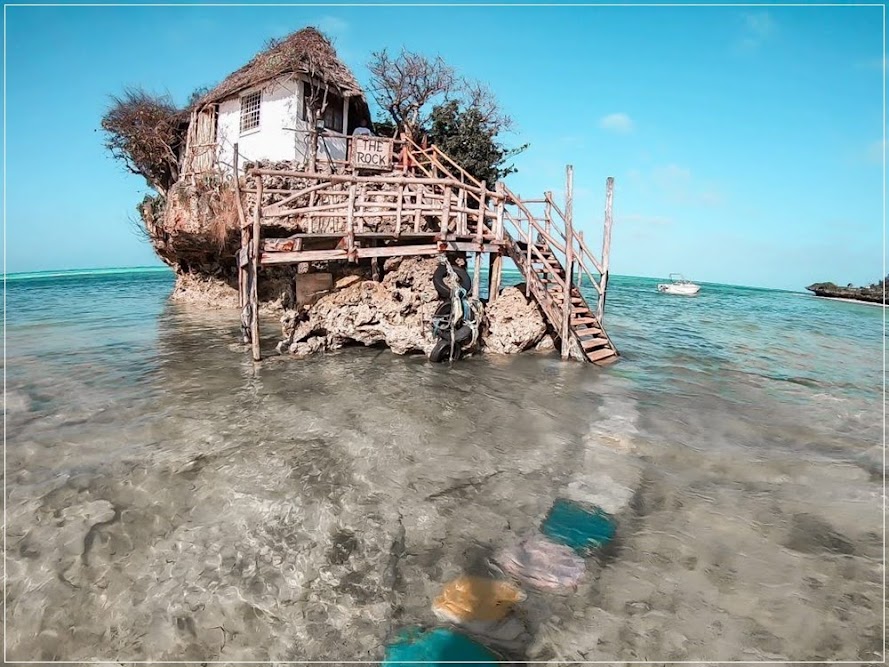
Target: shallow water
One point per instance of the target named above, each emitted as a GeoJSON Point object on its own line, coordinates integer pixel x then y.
{"type": "Point", "coordinates": [169, 500]}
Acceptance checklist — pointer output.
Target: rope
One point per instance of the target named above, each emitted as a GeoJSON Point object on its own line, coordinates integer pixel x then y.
{"type": "Point", "coordinates": [461, 305]}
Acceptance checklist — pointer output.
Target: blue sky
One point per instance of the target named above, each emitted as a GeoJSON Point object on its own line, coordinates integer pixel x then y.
{"type": "Point", "coordinates": [745, 143]}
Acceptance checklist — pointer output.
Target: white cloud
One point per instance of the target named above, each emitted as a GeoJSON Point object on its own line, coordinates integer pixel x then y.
{"type": "Point", "coordinates": [757, 28]}
{"type": "Point", "coordinates": [617, 122]}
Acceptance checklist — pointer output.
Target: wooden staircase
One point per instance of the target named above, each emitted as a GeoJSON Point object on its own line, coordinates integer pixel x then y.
{"type": "Point", "coordinates": [545, 279]}
{"type": "Point", "coordinates": [543, 263]}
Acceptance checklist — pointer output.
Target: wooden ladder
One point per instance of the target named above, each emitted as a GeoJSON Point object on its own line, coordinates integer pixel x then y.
{"type": "Point", "coordinates": [545, 277]}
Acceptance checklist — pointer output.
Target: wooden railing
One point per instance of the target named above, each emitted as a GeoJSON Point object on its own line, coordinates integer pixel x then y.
{"type": "Point", "coordinates": [430, 195]}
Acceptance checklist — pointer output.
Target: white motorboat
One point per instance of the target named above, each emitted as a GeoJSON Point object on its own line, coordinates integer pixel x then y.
{"type": "Point", "coordinates": [679, 286]}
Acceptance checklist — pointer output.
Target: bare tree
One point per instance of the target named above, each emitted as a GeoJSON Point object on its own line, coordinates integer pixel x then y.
{"type": "Point", "coordinates": [480, 97]}
{"type": "Point", "coordinates": [144, 131]}
{"type": "Point", "coordinates": [408, 85]}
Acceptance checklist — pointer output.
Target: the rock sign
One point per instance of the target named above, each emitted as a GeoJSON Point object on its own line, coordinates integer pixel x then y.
{"type": "Point", "coordinates": [372, 153]}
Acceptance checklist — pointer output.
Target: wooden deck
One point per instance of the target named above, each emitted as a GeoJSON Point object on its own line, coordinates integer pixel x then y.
{"type": "Point", "coordinates": [426, 206]}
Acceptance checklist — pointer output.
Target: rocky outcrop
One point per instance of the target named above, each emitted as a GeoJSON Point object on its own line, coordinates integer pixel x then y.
{"type": "Point", "coordinates": [514, 323]}
{"type": "Point", "coordinates": [397, 312]}
{"type": "Point", "coordinates": [872, 293]}
{"type": "Point", "coordinates": [326, 305]}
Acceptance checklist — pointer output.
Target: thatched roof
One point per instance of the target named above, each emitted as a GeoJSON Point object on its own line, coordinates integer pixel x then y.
{"type": "Point", "coordinates": [306, 51]}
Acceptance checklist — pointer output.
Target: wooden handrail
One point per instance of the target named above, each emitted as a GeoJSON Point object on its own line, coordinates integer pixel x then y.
{"type": "Point", "coordinates": [528, 271]}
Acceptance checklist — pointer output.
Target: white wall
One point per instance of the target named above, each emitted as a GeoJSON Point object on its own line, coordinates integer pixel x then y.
{"type": "Point", "coordinates": [275, 138]}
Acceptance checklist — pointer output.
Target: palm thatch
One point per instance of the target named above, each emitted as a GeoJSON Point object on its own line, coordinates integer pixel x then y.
{"type": "Point", "coordinates": [306, 51]}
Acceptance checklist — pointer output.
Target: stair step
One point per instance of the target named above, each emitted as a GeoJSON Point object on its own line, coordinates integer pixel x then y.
{"type": "Point", "coordinates": [588, 331]}
{"type": "Point", "coordinates": [593, 343]}
{"type": "Point", "coordinates": [601, 354]}
{"type": "Point", "coordinates": [583, 320]}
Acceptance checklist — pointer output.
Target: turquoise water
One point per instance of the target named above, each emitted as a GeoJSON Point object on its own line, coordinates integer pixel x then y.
{"type": "Point", "coordinates": [746, 424]}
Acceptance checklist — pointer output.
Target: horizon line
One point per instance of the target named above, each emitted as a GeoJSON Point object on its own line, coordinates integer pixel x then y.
{"type": "Point", "coordinates": [45, 273]}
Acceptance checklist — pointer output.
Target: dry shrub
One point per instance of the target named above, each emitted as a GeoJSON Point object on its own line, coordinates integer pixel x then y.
{"type": "Point", "coordinates": [144, 132]}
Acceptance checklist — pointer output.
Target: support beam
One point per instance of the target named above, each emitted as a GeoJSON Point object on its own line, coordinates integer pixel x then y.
{"type": "Point", "coordinates": [479, 235]}
{"type": "Point", "coordinates": [606, 247]}
{"type": "Point", "coordinates": [254, 270]}
{"type": "Point", "coordinates": [284, 258]}
{"type": "Point", "coordinates": [446, 212]}
{"type": "Point", "coordinates": [569, 258]}
{"type": "Point", "coordinates": [501, 204]}
{"type": "Point", "coordinates": [495, 267]}
{"type": "Point", "coordinates": [245, 238]}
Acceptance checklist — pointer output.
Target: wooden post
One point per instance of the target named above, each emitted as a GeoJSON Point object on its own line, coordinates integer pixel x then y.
{"type": "Point", "coordinates": [579, 272]}
{"type": "Point", "coordinates": [495, 267]}
{"type": "Point", "coordinates": [606, 247]}
{"type": "Point", "coordinates": [548, 214]}
{"type": "Point", "coordinates": [360, 206]}
{"type": "Point", "coordinates": [350, 222]}
{"type": "Point", "coordinates": [479, 238]}
{"type": "Point", "coordinates": [501, 204]}
{"type": "Point", "coordinates": [398, 209]}
{"type": "Point", "coordinates": [446, 212]}
{"type": "Point", "coordinates": [479, 233]}
{"type": "Point", "coordinates": [242, 278]}
{"type": "Point", "coordinates": [569, 257]}
{"type": "Point", "coordinates": [419, 204]}
{"type": "Point", "coordinates": [528, 267]}
{"type": "Point", "coordinates": [254, 263]}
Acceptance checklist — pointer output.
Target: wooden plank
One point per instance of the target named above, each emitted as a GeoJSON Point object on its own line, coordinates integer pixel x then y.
{"type": "Point", "coordinates": [242, 224]}
{"type": "Point", "coordinates": [345, 178]}
{"type": "Point", "coordinates": [501, 205]}
{"type": "Point", "coordinates": [480, 230]}
{"type": "Point", "coordinates": [446, 212]}
{"type": "Point", "coordinates": [254, 293]}
{"type": "Point", "coordinates": [592, 343]}
{"type": "Point", "coordinates": [418, 209]}
{"type": "Point", "coordinates": [304, 256]}
{"type": "Point", "coordinates": [597, 356]}
{"type": "Point", "coordinates": [606, 247]}
{"type": "Point", "coordinates": [350, 222]}
{"type": "Point", "coordinates": [399, 209]}
{"type": "Point", "coordinates": [271, 208]}
{"type": "Point", "coordinates": [360, 207]}
{"type": "Point", "coordinates": [569, 245]}
{"type": "Point", "coordinates": [495, 269]}
{"type": "Point", "coordinates": [296, 257]}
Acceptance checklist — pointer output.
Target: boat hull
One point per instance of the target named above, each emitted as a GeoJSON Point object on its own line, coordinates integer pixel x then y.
{"type": "Point", "coordinates": [684, 290]}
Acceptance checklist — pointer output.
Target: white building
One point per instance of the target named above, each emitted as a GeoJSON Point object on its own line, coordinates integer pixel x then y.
{"type": "Point", "coordinates": [266, 106]}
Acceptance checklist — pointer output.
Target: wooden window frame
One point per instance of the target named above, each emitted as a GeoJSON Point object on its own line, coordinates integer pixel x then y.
{"type": "Point", "coordinates": [247, 112]}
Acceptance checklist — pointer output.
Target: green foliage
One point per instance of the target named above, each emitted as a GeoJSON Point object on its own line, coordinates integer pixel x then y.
{"type": "Point", "coordinates": [471, 139]}
{"type": "Point", "coordinates": [384, 127]}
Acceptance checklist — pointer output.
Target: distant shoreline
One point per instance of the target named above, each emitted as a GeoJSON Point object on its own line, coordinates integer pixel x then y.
{"type": "Point", "coordinates": [847, 300]}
